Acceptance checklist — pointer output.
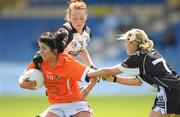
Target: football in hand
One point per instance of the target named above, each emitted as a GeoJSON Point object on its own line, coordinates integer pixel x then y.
{"type": "Point", "coordinates": [33, 74]}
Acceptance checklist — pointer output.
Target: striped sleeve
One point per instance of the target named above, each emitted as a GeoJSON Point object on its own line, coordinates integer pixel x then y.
{"type": "Point", "coordinates": [130, 66]}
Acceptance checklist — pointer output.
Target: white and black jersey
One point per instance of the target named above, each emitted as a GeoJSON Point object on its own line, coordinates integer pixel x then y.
{"type": "Point", "coordinates": [152, 68]}
{"type": "Point", "coordinates": [76, 42]}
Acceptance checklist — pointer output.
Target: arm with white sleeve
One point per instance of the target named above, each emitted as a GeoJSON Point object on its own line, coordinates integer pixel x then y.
{"type": "Point", "coordinates": [109, 73]}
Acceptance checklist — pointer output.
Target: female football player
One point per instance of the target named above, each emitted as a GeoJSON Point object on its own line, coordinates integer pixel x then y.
{"type": "Point", "coordinates": [79, 33]}
{"type": "Point", "coordinates": [61, 74]}
{"type": "Point", "coordinates": [146, 65]}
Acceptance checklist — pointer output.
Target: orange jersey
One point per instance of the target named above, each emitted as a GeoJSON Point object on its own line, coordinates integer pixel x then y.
{"type": "Point", "coordinates": [61, 82]}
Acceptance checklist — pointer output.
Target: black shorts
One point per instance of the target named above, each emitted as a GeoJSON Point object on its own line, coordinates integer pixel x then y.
{"type": "Point", "coordinates": [167, 101]}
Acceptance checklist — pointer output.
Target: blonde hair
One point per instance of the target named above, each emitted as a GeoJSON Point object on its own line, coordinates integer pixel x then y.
{"type": "Point", "coordinates": [145, 44]}
{"type": "Point", "coordinates": [75, 4]}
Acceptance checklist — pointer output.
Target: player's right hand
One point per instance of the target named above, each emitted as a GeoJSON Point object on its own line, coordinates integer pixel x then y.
{"type": "Point", "coordinates": [28, 84]}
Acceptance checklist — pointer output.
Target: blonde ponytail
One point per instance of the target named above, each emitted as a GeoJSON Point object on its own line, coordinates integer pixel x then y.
{"type": "Point", "coordinates": [145, 44]}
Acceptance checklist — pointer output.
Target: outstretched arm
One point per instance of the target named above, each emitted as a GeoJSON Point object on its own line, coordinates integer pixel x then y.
{"type": "Point", "coordinates": [108, 71]}
{"type": "Point", "coordinates": [123, 80]}
{"type": "Point", "coordinates": [129, 81]}
{"type": "Point", "coordinates": [108, 74]}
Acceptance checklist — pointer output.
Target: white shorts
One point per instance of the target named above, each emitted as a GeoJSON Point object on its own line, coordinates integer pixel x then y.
{"type": "Point", "coordinates": [67, 109]}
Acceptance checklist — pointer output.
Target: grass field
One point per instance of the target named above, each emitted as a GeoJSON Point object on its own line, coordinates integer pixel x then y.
{"type": "Point", "coordinates": [107, 106]}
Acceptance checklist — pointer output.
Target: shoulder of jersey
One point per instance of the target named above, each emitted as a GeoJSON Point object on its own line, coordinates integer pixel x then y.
{"type": "Point", "coordinates": [67, 25]}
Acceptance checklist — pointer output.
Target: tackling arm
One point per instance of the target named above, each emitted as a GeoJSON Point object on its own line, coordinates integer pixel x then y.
{"type": "Point", "coordinates": [123, 80]}
{"type": "Point", "coordinates": [104, 72]}
{"type": "Point", "coordinates": [129, 81]}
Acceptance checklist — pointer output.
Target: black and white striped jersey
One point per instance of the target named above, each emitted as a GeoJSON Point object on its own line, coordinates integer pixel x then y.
{"type": "Point", "coordinates": [152, 68]}
{"type": "Point", "coordinates": [76, 42]}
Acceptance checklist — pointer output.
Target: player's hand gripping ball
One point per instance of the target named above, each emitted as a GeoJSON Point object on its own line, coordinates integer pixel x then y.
{"type": "Point", "coordinates": [33, 74]}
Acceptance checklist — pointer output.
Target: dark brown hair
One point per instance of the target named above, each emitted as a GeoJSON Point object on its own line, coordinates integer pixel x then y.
{"type": "Point", "coordinates": [54, 40]}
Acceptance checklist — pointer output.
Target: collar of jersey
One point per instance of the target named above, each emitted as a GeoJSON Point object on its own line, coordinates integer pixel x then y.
{"type": "Point", "coordinates": [74, 30]}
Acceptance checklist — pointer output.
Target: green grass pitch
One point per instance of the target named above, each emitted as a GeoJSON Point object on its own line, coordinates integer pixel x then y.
{"type": "Point", "coordinates": [103, 106]}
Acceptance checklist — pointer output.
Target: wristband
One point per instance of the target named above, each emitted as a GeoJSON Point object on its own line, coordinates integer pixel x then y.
{"type": "Point", "coordinates": [93, 67]}
{"type": "Point", "coordinates": [115, 78]}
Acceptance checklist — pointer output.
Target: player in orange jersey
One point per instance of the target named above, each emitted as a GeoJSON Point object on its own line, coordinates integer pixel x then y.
{"type": "Point", "coordinates": [61, 75]}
